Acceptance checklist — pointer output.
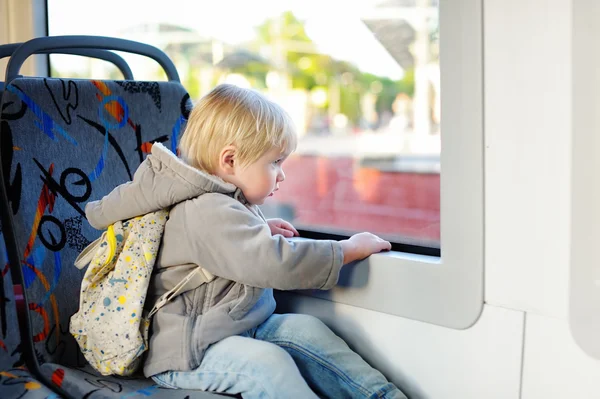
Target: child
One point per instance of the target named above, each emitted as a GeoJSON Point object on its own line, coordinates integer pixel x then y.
{"type": "Point", "coordinates": [223, 336]}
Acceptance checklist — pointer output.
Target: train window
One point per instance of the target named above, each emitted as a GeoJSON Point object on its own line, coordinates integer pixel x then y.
{"type": "Point", "coordinates": [362, 86]}
{"type": "Point", "coordinates": [363, 83]}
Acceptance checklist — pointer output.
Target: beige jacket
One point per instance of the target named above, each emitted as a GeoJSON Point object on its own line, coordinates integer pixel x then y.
{"type": "Point", "coordinates": [212, 225]}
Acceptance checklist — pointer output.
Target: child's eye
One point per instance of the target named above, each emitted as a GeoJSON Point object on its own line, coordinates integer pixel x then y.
{"type": "Point", "coordinates": [278, 161]}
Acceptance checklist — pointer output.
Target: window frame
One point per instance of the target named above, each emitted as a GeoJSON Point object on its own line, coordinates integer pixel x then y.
{"type": "Point", "coordinates": [447, 290]}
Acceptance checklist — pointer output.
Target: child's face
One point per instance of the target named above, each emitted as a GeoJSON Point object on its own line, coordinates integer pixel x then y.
{"type": "Point", "coordinates": [261, 179]}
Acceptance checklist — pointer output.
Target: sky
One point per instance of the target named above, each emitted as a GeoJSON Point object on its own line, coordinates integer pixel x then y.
{"type": "Point", "coordinates": [334, 25]}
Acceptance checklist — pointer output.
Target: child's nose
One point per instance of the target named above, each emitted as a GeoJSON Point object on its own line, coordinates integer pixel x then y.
{"type": "Point", "coordinates": [280, 176]}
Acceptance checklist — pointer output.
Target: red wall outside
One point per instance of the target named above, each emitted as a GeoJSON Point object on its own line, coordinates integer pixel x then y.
{"type": "Point", "coordinates": [339, 193]}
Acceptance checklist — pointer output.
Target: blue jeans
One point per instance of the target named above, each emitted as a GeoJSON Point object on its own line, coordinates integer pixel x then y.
{"type": "Point", "coordinates": [288, 356]}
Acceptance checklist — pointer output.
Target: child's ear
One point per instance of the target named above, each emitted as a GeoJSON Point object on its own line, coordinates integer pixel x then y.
{"type": "Point", "coordinates": [227, 159]}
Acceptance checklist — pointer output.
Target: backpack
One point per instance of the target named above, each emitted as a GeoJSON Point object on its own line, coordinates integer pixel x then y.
{"type": "Point", "coordinates": [111, 326]}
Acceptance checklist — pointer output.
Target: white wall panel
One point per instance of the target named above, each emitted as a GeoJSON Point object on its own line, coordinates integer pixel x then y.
{"type": "Point", "coordinates": [427, 361]}
{"type": "Point", "coordinates": [527, 64]}
{"type": "Point", "coordinates": [554, 366]}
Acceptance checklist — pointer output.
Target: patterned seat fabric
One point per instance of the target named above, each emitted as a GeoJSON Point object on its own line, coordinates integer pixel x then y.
{"type": "Point", "coordinates": [63, 143]}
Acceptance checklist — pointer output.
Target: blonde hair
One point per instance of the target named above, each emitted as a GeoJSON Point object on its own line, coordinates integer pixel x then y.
{"type": "Point", "coordinates": [231, 115]}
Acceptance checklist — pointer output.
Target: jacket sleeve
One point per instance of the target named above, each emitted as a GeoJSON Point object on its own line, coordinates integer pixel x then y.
{"type": "Point", "coordinates": [227, 239]}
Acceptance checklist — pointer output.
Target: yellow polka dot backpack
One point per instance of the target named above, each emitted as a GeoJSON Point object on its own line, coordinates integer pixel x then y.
{"type": "Point", "coordinates": [111, 326]}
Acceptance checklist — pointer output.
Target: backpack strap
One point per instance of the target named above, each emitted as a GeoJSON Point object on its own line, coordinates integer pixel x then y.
{"type": "Point", "coordinates": [86, 256]}
{"type": "Point", "coordinates": [192, 280]}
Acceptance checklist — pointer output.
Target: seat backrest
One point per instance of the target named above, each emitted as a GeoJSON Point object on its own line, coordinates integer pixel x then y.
{"type": "Point", "coordinates": [9, 331]}
{"type": "Point", "coordinates": [63, 143]}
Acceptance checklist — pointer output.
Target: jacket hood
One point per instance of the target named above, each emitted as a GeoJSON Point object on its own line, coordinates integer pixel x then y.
{"type": "Point", "coordinates": [162, 180]}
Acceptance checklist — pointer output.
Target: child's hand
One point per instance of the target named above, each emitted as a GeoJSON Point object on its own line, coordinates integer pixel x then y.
{"type": "Point", "coordinates": [361, 245]}
{"type": "Point", "coordinates": [280, 226]}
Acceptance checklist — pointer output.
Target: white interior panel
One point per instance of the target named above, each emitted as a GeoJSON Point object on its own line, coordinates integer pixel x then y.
{"type": "Point", "coordinates": [428, 361]}
{"type": "Point", "coordinates": [585, 189]}
{"type": "Point", "coordinates": [527, 84]}
{"type": "Point", "coordinates": [554, 366]}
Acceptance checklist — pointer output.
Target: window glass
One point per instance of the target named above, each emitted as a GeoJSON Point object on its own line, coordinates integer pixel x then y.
{"type": "Point", "coordinates": [360, 79]}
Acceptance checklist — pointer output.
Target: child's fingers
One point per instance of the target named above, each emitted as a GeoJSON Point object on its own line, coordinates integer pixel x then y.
{"type": "Point", "coordinates": [287, 225]}
{"type": "Point", "coordinates": [288, 233]}
{"type": "Point", "coordinates": [283, 232]}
